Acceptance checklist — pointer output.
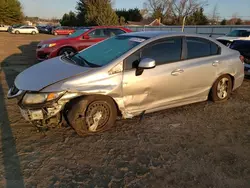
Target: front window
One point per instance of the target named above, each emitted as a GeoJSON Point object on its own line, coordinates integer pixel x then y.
{"type": "Point", "coordinates": [104, 52]}
{"type": "Point", "coordinates": [77, 33]}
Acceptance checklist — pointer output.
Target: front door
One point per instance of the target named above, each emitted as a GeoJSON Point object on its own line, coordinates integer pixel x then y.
{"type": "Point", "coordinates": [94, 37]}
{"type": "Point", "coordinates": [156, 87]}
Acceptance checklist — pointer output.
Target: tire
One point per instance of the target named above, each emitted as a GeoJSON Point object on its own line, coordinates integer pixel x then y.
{"type": "Point", "coordinates": [33, 32]}
{"type": "Point", "coordinates": [222, 89]}
{"type": "Point", "coordinates": [17, 32]}
{"type": "Point", "coordinates": [81, 115]}
{"type": "Point", "coordinates": [66, 50]}
{"type": "Point", "coordinates": [55, 33]}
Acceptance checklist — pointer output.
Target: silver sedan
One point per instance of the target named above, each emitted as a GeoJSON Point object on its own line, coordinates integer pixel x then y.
{"type": "Point", "coordinates": [127, 75]}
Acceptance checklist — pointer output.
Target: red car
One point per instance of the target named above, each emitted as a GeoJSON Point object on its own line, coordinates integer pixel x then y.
{"type": "Point", "coordinates": [63, 31]}
{"type": "Point", "coordinates": [78, 41]}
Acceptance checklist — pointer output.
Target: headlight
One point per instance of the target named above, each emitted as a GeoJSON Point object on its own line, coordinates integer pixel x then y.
{"type": "Point", "coordinates": [48, 45]}
{"type": "Point", "coordinates": [38, 98]}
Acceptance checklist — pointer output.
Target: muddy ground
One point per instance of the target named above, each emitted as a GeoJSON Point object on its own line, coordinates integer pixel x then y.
{"type": "Point", "coordinates": [199, 145]}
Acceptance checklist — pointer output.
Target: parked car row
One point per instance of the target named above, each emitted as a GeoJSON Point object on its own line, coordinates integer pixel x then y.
{"type": "Point", "coordinates": [24, 30]}
{"type": "Point", "coordinates": [127, 75]}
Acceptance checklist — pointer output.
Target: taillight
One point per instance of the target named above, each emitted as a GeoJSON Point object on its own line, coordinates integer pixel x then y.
{"type": "Point", "coordinates": [242, 59]}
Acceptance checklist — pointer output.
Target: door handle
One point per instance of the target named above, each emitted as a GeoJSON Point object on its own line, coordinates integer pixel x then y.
{"type": "Point", "coordinates": [177, 72]}
{"type": "Point", "coordinates": [215, 63]}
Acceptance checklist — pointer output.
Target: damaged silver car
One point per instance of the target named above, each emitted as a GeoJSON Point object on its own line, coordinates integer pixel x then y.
{"type": "Point", "coordinates": [127, 75]}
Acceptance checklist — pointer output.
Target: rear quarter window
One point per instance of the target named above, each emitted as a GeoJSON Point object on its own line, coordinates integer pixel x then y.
{"type": "Point", "coordinates": [199, 47]}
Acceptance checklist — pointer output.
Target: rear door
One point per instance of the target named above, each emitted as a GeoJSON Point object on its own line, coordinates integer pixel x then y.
{"type": "Point", "coordinates": [95, 36]}
{"type": "Point", "coordinates": [155, 87]}
{"type": "Point", "coordinates": [200, 69]}
{"type": "Point", "coordinates": [23, 29]}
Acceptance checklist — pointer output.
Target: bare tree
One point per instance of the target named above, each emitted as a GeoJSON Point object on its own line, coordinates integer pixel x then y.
{"type": "Point", "coordinates": [215, 15]}
{"type": "Point", "coordinates": [183, 8]}
{"type": "Point", "coordinates": [175, 10]}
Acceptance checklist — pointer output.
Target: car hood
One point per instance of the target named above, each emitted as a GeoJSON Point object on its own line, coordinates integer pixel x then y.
{"type": "Point", "coordinates": [53, 40]}
{"type": "Point", "coordinates": [46, 73]}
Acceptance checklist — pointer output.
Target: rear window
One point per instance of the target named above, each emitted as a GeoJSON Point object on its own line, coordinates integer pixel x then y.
{"type": "Point", "coordinates": [199, 47]}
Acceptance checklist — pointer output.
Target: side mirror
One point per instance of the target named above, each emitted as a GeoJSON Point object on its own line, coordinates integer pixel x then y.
{"type": "Point", "coordinates": [147, 63]}
{"type": "Point", "coordinates": [86, 37]}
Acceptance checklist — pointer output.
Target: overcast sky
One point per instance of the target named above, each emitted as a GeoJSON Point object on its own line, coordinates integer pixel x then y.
{"type": "Point", "coordinates": [56, 8]}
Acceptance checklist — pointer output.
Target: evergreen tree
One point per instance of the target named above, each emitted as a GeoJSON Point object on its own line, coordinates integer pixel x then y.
{"type": "Point", "coordinates": [223, 22]}
{"type": "Point", "coordinates": [69, 19]}
{"type": "Point", "coordinates": [197, 18]}
{"type": "Point", "coordinates": [238, 22]}
{"type": "Point", "coordinates": [130, 14]}
{"type": "Point", "coordinates": [81, 12]}
{"type": "Point", "coordinates": [96, 12]}
{"type": "Point", "coordinates": [10, 12]}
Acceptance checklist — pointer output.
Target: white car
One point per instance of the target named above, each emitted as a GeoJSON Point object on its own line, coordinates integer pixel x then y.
{"type": "Point", "coordinates": [234, 35]}
{"type": "Point", "coordinates": [4, 28]}
{"type": "Point", "coordinates": [25, 29]}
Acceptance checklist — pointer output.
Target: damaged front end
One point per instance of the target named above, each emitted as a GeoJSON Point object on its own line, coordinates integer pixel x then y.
{"type": "Point", "coordinates": [42, 109]}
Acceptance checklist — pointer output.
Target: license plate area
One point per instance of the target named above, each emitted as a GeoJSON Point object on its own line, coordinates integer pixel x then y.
{"type": "Point", "coordinates": [31, 115]}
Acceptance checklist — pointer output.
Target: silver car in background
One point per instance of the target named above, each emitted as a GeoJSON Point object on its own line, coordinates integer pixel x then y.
{"type": "Point", "coordinates": [25, 29]}
{"type": "Point", "coordinates": [127, 75]}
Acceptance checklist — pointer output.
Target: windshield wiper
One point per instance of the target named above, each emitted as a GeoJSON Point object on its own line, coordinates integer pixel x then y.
{"type": "Point", "coordinates": [86, 62]}
{"type": "Point", "coordinates": [68, 57]}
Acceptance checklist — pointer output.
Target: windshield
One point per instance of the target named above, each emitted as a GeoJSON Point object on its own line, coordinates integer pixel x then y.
{"type": "Point", "coordinates": [104, 52]}
{"type": "Point", "coordinates": [239, 33]}
{"type": "Point", "coordinates": [77, 33]}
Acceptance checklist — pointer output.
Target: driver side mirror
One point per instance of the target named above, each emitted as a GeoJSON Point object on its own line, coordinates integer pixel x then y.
{"type": "Point", "coordinates": [86, 37]}
{"type": "Point", "coordinates": [147, 63]}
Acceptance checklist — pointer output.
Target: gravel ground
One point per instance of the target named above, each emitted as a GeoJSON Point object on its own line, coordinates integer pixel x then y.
{"type": "Point", "coordinates": [199, 145]}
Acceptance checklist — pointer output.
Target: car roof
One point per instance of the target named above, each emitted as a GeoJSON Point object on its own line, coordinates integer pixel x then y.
{"type": "Point", "coordinates": [105, 27]}
{"type": "Point", "coordinates": [159, 34]}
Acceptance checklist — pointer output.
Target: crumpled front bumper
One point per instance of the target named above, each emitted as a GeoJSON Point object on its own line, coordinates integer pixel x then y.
{"type": "Point", "coordinates": [40, 113]}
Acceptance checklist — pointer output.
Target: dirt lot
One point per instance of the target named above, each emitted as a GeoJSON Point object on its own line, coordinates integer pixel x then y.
{"type": "Point", "coordinates": [200, 145]}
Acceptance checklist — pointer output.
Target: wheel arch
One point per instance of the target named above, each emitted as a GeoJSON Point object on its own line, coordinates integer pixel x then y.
{"type": "Point", "coordinates": [231, 76]}
{"type": "Point", "coordinates": [73, 101]}
{"type": "Point", "coordinates": [67, 46]}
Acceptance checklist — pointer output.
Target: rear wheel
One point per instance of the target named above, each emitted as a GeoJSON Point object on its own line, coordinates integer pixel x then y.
{"type": "Point", "coordinates": [92, 115]}
{"type": "Point", "coordinates": [33, 32]}
{"type": "Point", "coordinates": [55, 33]}
{"type": "Point", "coordinates": [66, 50]}
{"type": "Point", "coordinates": [222, 89]}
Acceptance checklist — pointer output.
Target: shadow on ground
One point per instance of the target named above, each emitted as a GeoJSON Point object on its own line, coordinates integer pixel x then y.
{"type": "Point", "coordinates": [10, 68]}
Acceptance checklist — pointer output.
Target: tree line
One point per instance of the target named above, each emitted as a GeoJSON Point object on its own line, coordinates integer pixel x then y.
{"type": "Point", "coordinates": [10, 12]}
{"type": "Point", "coordinates": [101, 12]}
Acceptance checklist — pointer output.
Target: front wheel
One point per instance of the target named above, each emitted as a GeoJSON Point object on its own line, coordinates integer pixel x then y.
{"type": "Point", "coordinates": [92, 115]}
{"type": "Point", "coordinates": [222, 89]}
{"type": "Point", "coordinates": [66, 50]}
{"type": "Point", "coordinates": [17, 32]}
